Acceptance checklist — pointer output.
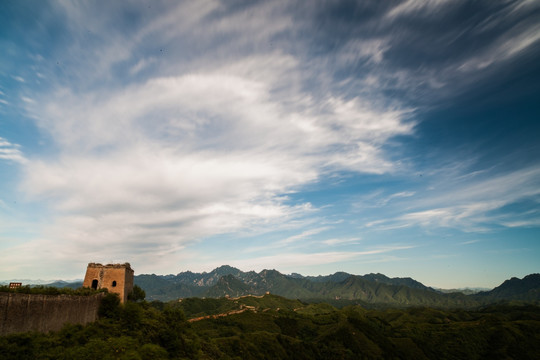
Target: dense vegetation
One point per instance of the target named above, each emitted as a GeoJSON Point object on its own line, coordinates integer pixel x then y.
{"type": "Point", "coordinates": [271, 327]}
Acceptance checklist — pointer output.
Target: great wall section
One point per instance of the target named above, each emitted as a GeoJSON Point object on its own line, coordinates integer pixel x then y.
{"type": "Point", "coordinates": [43, 313]}
{"type": "Point", "coordinates": [21, 312]}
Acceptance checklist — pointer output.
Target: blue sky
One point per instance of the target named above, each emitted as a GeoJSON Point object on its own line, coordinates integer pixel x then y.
{"type": "Point", "coordinates": [398, 137]}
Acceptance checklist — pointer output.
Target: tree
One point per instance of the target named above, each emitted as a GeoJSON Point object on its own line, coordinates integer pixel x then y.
{"type": "Point", "coordinates": [110, 305]}
{"type": "Point", "coordinates": [136, 294]}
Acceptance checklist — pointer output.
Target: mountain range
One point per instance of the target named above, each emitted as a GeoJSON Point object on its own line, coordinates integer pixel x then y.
{"type": "Point", "coordinates": [339, 288]}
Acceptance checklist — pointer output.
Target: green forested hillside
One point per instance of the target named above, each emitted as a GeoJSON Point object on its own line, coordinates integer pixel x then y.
{"type": "Point", "coordinates": [161, 288]}
{"type": "Point", "coordinates": [271, 327]}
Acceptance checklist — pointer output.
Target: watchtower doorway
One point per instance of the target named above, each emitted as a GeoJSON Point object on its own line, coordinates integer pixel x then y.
{"type": "Point", "coordinates": [94, 284]}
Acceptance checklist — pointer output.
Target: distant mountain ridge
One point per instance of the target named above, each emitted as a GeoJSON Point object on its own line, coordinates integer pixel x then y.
{"type": "Point", "coordinates": [188, 283]}
{"type": "Point", "coordinates": [251, 277]}
{"type": "Point", "coordinates": [526, 289]}
{"type": "Point", "coordinates": [339, 288]}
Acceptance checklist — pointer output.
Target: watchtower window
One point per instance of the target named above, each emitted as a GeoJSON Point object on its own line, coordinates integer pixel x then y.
{"type": "Point", "coordinates": [114, 283]}
{"type": "Point", "coordinates": [94, 284]}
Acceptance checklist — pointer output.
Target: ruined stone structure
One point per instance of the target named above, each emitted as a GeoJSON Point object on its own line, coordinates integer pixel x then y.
{"type": "Point", "coordinates": [36, 312]}
{"type": "Point", "coordinates": [116, 278]}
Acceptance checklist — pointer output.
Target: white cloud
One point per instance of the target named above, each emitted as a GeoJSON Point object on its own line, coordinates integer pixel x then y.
{"type": "Point", "coordinates": [337, 241]}
{"type": "Point", "coordinates": [503, 34]}
{"type": "Point", "coordinates": [418, 7]}
{"type": "Point", "coordinates": [141, 65]}
{"type": "Point", "coordinates": [11, 152]}
{"type": "Point", "coordinates": [359, 50]}
{"type": "Point", "coordinates": [468, 217]}
{"type": "Point", "coordinates": [399, 195]}
{"type": "Point", "coordinates": [472, 205]}
{"type": "Point", "coordinates": [470, 242]}
{"type": "Point", "coordinates": [292, 261]}
{"type": "Point", "coordinates": [507, 47]}
{"type": "Point", "coordinates": [206, 138]}
{"type": "Point", "coordinates": [208, 148]}
{"type": "Point", "coordinates": [302, 236]}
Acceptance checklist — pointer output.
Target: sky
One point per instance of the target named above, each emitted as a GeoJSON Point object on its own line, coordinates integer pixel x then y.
{"type": "Point", "coordinates": [394, 137]}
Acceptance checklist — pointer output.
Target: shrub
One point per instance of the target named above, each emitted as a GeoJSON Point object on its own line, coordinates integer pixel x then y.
{"type": "Point", "coordinates": [110, 306]}
{"type": "Point", "coordinates": [136, 294]}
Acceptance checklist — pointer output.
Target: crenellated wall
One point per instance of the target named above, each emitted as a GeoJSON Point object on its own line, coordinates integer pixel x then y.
{"type": "Point", "coordinates": [43, 313]}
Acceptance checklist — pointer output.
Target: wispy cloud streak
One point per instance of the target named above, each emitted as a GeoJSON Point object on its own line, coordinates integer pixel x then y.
{"type": "Point", "coordinates": [472, 206]}
{"type": "Point", "coordinates": [11, 152]}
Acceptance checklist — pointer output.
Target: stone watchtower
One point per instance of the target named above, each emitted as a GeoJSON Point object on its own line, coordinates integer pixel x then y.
{"type": "Point", "coordinates": [117, 278]}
